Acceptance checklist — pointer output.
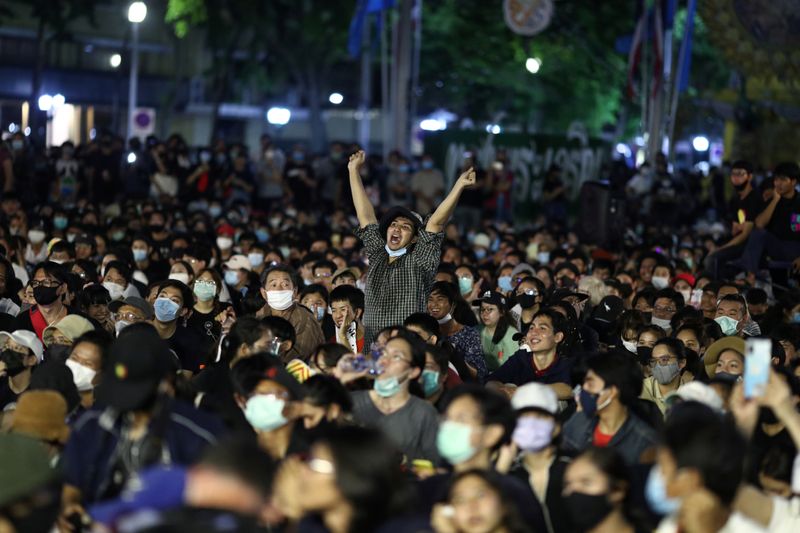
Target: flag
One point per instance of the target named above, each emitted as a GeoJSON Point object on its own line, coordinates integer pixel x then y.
{"type": "Point", "coordinates": [658, 46]}
{"type": "Point", "coordinates": [635, 53]}
{"type": "Point", "coordinates": [363, 8]}
{"type": "Point", "coordinates": [685, 60]}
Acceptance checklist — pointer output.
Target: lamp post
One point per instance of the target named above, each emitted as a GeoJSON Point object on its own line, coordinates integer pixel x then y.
{"type": "Point", "coordinates": [137, 12]}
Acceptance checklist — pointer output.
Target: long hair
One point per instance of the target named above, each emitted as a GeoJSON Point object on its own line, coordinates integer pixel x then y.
{"type": "Point", "coordinates": [512, 521]}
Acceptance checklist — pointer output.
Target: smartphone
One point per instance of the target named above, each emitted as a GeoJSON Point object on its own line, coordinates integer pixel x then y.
{"type": "Point", "coordinates": [697, 297]}
{"type": "Point", "coordinates": [758, 357]}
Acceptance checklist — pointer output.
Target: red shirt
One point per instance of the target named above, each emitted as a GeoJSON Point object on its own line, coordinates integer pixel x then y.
{"type": "Point", "coordinates": [600, 439]}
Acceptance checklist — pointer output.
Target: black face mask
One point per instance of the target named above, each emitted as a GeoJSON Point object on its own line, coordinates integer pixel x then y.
{"type": "Point", "coordinates": [15, 362]}
{"type": "Point", "coordinates": [645, 353]}
{"type": "Point", "coordinates": [57, 352]}
{"type": "Point", "coordinates": [740, 187]}
{"type": "Point", "coordinates": [586, 511]}
{"type": "Point", "coordinates": [45, 295]}
{"type": "Point", "coordinates": [526, 300]}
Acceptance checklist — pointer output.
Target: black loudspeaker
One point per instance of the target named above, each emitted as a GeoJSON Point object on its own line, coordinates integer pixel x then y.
{"type": "Point", "coordinates": [601, 216]}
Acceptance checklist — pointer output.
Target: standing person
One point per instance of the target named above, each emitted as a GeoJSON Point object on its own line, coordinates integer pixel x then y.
{"type": "Point", "coordinates": [499, 181]}
{"type": "Point", "coordinates": [427, 185]}
{"type": "Point", "coordinates": [554, 196]}
{"type": "Point", "coordinates": [743, 208]}
{"type": "Point", "coordinates": [403, 256]}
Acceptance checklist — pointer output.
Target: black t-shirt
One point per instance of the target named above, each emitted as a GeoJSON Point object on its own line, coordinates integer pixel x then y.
{"type": "Point", "coordinates": [785, 221]}
{"type": "Point", "coordinates": [206, 326]}
{"type": "Point", "coordinates": [7, 396]}
{"type": "Point", "coordinates": [188, 346]}
{"type": "Point", "coordinates": [751, 205]}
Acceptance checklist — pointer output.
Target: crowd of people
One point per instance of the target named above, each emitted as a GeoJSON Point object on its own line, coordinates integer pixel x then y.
{"type": "Point", "coordinates": [201, 340]}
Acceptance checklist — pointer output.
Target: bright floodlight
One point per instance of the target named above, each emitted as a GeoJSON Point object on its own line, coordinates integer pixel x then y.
{"type": "Point", "coordinates": [45, 102]}
{"type": "Point", "coordinates": [700, 143]}
{"type": "Point", "coordinates": [12, 127]}
{"type": "Point", "coordinates": [58, 100]}
{"type": "Point", "coordinates": [533, 64]}
{"type": "Point", "coordinates": [336, 98]}
{"type": "Point", "coordinates": [494, 129]}
{"type": "Point", "coordinates": [115, 60]}
{"type": "Point", "coordinates": [132, 158]}
{"type": "Point", "coordinates": [279, 116]}
{"type": "Point", "coordinates": [433, 124]}
{"type": "Point", "coordinates": [137, 12]}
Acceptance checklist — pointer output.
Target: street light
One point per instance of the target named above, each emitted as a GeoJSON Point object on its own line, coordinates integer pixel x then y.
{"type": "Point", "coordinates": [336, 98]}
{"type": "Point", "coordinates": [115, 60]}
{"type": "Point", "coordinates": [533, 64]}
{"type": "Point", "coordinates": [278, 116]}
{"type": "Point", "coordinates": [700, 143]}
{"type": "Point", "coordinates": [433, 124]}
{"type": "Point", "coordinates": [137, 12]}
{"type": "Point", "coordinates": [45, 102]}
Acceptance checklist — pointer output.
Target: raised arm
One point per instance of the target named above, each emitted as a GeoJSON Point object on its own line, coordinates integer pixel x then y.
{"type": "Point", "coordinates": [364, 209]}
{"type": "Point", "coordinates": [445, 210]}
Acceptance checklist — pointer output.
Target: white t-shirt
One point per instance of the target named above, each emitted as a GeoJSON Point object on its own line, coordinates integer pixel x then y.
{"type": "Point", "coordinates": [737, 523]}
{"type": "Point", "coordinates": [785, 515]}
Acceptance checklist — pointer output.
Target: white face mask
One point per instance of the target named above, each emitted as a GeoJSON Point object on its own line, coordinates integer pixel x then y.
{"type": "Point", "coordinates": [119, 326]}
{"type": "Point", "coordinates": [660, 282]}
{"type": "Point", "coordinates": [224, 243]}
{"type": "Point", "coordinates": [183, 277]}
{"type": "Point", "coordinates": [395, 253]}
{"type": "Point", "coordinates": [445, 319]}
{"type": "Point", "coordinates": [663, 323]}
{"type": "Point", "coordinates": [280, 300]}
{"type": "Point", "coordinates": [630, 345]}
{"type": "Point", "coordinates": [81, 375]}
{"type": "Point", "coordinates": [115, 290]}
{"type": "Point", "coordinates": [36, 236]}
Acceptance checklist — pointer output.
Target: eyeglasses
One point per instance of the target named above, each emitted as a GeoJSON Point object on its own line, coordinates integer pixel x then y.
{"type": "Point", "coordinates": [529, 292]}
{"type": "Point", "coordinates": [394, 358]}
{"type": "Point", "coordinates": [206, 282]}
{"type": "Point", "coordinates": [739, 173]}
{"type": "Point", "coordinates": [49, 283]}
{"type": "Point", "coordinates": [128, 317]}
{"type": "Point", "coordinates": [659, 309]}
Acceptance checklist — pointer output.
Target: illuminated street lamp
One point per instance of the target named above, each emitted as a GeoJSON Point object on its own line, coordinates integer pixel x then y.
{"type": "Point", "coordinates": [137, 12]}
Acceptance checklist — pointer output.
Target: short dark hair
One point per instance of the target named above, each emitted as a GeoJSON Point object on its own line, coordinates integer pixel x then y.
{"type": "Point", "coordinates": [494, 407]}
{"type": "Point", "coordinates": [63, 246]}
{"type": "Point", "coordinates": [349, 294]}
{"type": "Point", "coordinates": [698, 438]}
{"type": "Point", "coordinates": [323, 391]}
{"type": "Point", "coordinates": [246, 330]}
{"type": "Point", "coordinates": [417, 346]}
{"type": "Point", "coordinates": [123, 269]}
{"type": "Point", "coordinates": [747, 166]}
{"type": "Point", "coordinates": [675, 347]}
{"type": "Point", "coordinates": [671, 294]}
{"type": "Point", "coordinates": [425, 322]}
{"type": "Point", "coordinates": [446, 289]}
{"type": "Point", "coordinates": [324, 263]}
{"type": "Point", "coordinates": [440, 355]}
{"type": "Point", "coordinates": [739, 299]}
{"type": "Point", "coordinates": [789, 169]}
{"type": "Point", "coordinates": [615, 370]}
{"type": "Point", "coordinates": [281, 328]}
{"type": "Point", "coordinates": [331, 353]}
{"type": "Point", "coordinates": [314, 288]}
{"type": "Point", "coordinates": [286, 269]}
{"type": "Point", "coordinates": [245, 460]}
{"type": "Point", "coordinates": [557, 320]}
{"type": "Point", "coordinates": [186, 293]}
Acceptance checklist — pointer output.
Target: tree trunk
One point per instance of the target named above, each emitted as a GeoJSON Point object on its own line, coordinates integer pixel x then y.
{"type": "Point", "coordinates": [36, 82]}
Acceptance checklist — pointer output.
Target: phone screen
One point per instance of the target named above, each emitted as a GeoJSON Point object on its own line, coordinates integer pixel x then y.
{"type": "Point", "coordinates": [758, 355]}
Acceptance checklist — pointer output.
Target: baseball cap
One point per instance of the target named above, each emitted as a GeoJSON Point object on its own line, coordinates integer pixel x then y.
{"type": "Point", "coordinates": [535, 396]}
{"type": "Point", "coordinates": [609, 309]}
{"type": "Point", "coordinates": [563, 294]}
{"type": "Point", "coordinates": [238, 262]}
{"type": "Point", "coordinates": [134, 301]}
{"type": "Point", "coordinates": [345, 270]}
{"type": "Point", "coordinates": [396, 212]}
{"type": "Point", "coordinates": [696, 391]}
{"type": "Point", "coordinates": [71, 326]}
{"type": "Point", "coordinates": [138, 361]}
{"type": "Point", "coordinates": [520, 268]}
{"type": "Point", "coordinates": [481, 240]}
{"type": "Point", "coordinates": [226, 230]}
{"type": "Point", "coordinates": [491, 297]}
{"type": "Point", "coordinates": [28, 339]}
{"type": "Point", "coordinates": [41, 414]}
{"type": "Point", "coordinates": [688, 278]}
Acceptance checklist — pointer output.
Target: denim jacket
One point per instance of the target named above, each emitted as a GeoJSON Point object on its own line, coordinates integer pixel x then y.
{"type": "Point", "coordinates": [632, 439]}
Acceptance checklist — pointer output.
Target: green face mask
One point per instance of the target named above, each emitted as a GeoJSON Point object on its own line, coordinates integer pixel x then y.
{"type": "Point", "coordinates": [453, 442]}
{"type": "Point", "coordinates": [386, 387]}
{"type": "Point", "coordinates": [727, 324]}
{"type": "Point", "coordinates": [465, 285]}
{"type": "Point", "coordinates": [430, 382]}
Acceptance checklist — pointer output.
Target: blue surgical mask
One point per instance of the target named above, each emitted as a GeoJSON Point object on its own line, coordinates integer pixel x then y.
{"type": "Point", "coordinates": [166, 310]}
{"type": "Point", "coordinates": [727, 324]}
{"type": "Point", "coordinates": [265, 412]}
{"type": "Point", "coordinates": [231, 277]}
{"type": "Point", "coordinates": [262, 235]}
{"type": "Point", "coordinates": [256, 259]}
{"type": "Point", "coordinates": [504, 282]}
{"type": "Point", "coordinates": [480, 254]}
{"type": "Point", "coordinates": [386, 387]}
{"type": "Point", "coordinates": [656, 494]}
{"type": "Point", "coordinates": [139, 255]}
{"type": "Point", "coordinates": [60, 223]}
{"type": "Point", "coordinates": [395, 253]}
{"type": "Point", "coordinates": [453, 442]}
{"type": "Point", "coordinates": [465, 285]}
{"type": "Point", "coordinates": [214, 211]}
{"type": "Point", "coordinates": [427, 164]}
{"type": "Point", "coordinates": [543, 257]}
{"type": "Point", "coordinates": [589, 403]}
{"type": "Point", "coordinates": [205, 292]}
{"type": "Point", "coordinates": [430, 382]}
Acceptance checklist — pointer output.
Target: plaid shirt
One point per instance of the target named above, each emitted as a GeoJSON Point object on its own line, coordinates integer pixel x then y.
{"type": "Point", "coordinates": [396, 290]}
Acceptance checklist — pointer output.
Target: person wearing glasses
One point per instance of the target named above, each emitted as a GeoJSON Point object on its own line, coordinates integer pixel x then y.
{"type": "Point", "coordinates": [49, 287]}
{"type": "Point", "coordinates": [666, 365]}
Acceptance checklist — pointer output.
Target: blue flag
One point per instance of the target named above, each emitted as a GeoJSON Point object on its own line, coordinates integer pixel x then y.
{"type": "Point", "coordinates": [685, 61]}
{"type": "Point", "coordinates": [363, 8]}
